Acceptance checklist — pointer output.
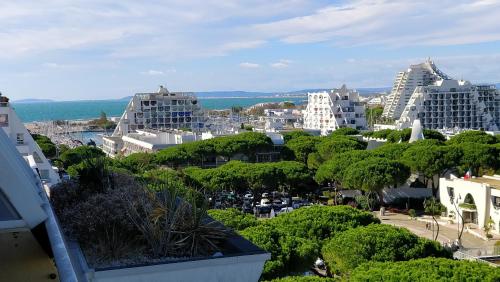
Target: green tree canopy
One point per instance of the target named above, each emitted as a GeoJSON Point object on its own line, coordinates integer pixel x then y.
{"type": "Point", "coordinates": [431, 160]}
{"type": "Point", "coordinates": [234, 218]}
{"type": "Point", "coordinates": [337, 144]}
{"type": "Point", "coordinates": [427, 269]}
{"type": "Point", "coordinates": [374, 174]}
{"type": "Point", "coordinates": [399, 135]}
{"type": "Point", "coordinates": [333, 170]}
{"type": "Point", "coordinates": [345, 131]}
{"type": "Point", "coordinates": [287, 136]}
{"type": "Point", "coordinates": [472, 136]}
{"type": "Point", "coordinates": [391, 151]}
{"type": "Point", "coordinates": [376, 242]}
{"type": "Point", "coordinates": [137, 162]}
{"type": "Point", "coordinates": [48, 148]}
{"type": "Point", "coordinates": [302, 146]}
{"type": "Point", "coordinates": [477, 155]}
{"type": "Point", "coordinates": [433, 134]}
{"type": "Point", "coordinates": [295, 239]}
{"type": "Point", "coordinates": [78, 154]}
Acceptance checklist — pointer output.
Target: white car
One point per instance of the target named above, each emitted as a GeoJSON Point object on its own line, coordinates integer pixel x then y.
{"type": "Point", "coordinates": [265, 202]}
{"type": "Point", "coordinates": [285, 210]}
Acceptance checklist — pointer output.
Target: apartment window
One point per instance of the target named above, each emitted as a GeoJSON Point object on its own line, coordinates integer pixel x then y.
{"type": "Point", "coordinates": [44, 174]}
{"type": "Point", "coordinates": [37, 158]}
{"type": "Point", "coordinates": [451, 192]}
{"type": "Point", "coordinates": [20, 138]}
{"type": "Point", "coordinates": [4, 120]}
{"type": "Point", "coordinates": [495, 201]}
{"type": "Point", "coordinates": [7, 210]}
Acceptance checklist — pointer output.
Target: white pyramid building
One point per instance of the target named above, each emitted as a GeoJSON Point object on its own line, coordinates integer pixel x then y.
{"type": "Point", "coordinates": [25, 145]}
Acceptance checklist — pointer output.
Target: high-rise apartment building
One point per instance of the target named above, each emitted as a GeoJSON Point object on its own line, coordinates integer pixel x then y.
{"type": "Point", "coordinates": [328, 111]}
{"type": "Point", "coordinates": [417, 75]}
{"type": "Point", "coordinates": [453, 104]}
{"type": "Point", "coordinates": [161, 110]}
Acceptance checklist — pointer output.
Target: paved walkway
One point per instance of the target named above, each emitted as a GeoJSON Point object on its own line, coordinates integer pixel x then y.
{"type": "Point", "coordinates": [446, 232]}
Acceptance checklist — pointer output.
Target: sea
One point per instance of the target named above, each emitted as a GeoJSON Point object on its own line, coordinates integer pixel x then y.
{"type": "Point", "coordinates": [82, 110]}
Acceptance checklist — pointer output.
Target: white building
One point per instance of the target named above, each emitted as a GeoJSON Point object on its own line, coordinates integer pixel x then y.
{"type": "Point", "coordinates": [328, 111]}
{"type": "Point", "coordinates": [453, 104]}
{"type": "Point", "coordinates": [406, 81]}
{"type": "Point", "coordinates": [161, 110]}
{"type": "Point", "coordinates": [376, 101]}
{"type": "Point", "coordinates": [146, 141]}
{"type": "Point", "coordinates": [476, 199]}
{"type": "Point", "coordinates": [27, 221]}
{"type": "Point", "coordinates": [25, 145]}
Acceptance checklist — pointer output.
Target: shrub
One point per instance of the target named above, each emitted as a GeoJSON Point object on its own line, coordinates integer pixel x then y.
{"type": "Point", "coordinates": [78, 154]}
{"type": "Point", "coordinates": [427, 269]}
{"type": "Point", "coordinates": [233, 218]}
{"type": "Point", "coordinates": [345, 131]}
{"type": "Point", "coordinates": [375, 242]}
{"type": "Point", "coordinates": [295, 239]}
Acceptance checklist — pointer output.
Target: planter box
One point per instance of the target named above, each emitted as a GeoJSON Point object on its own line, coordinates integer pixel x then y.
{"type": "Point", "coordinates": [245, 263]}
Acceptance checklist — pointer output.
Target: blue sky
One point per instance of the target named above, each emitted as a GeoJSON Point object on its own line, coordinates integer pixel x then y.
{"type": "Point", "coordinates": [99, 49]}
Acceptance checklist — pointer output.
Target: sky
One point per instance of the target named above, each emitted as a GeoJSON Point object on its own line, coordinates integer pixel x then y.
{"type": "Point", "coordinates": [101, 49]}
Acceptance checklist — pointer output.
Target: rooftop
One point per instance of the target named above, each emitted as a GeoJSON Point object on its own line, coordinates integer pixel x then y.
{"type": "Point", "coordinates": [493, 181]}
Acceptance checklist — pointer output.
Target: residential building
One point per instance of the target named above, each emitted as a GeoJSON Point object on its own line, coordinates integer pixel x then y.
{"type": "Point", "coordinates": [476, 199]}
{"type": "Point", "coordinates": [146, 141]}
{"type": "Point", "coordinates": [161, 110]}
{"type": "Point", "coordinates": [25, 145]}
{"type": "Point", "coordinates": [30, 237]}
{"type": "Point", "coordinates": [453, 104]}
{"type": "Point", "coordinates": [376, 101]}
{"type": "Point", "coordinates": [406, 81]}
{"type": "Point", "coordinates": [328, 111]}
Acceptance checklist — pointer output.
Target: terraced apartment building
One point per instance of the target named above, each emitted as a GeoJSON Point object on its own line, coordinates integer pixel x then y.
{"type": "Point", "coordinates": [161, 110]}
{"type": "Point", "coordinates": [329, 111]}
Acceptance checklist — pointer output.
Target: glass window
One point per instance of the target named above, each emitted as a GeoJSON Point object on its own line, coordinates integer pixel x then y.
{"type": "Point", "coordinates": [44, 174]}
{"type": "Point", "coordinates": [4, 120]}
{"type": "Point", "coordinates": [20, 138]}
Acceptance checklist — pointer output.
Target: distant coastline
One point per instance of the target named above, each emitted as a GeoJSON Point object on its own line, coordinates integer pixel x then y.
{"type": "Point", "coordinates": [90, 109]}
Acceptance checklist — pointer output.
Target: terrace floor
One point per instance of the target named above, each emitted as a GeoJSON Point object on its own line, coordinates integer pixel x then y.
{"type": "Point", "coordinates": [447, 232]}
{"type": "Point", "coordinates": [22, 259]}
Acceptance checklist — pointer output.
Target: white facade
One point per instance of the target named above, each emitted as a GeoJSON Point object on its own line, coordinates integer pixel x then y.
{"type": "Point", "coordinates": [477, 199]}
{"type": "Point", "coordinates": [26, 146]}
{"type": "Point", "coordinates": [161, 110]}
{"type": "Point", "coordinates": [146, 141]}
{"type": "Point", "coordinates": [241, 268]}
{"type": "Point", "coordinates": [453, 104]}
{"type": "Point", "coordinates": [24, 206]}
{"type": "Point", "coordinates": [417, 75]}
{"type": "Point", "coordinates": [328, 111]}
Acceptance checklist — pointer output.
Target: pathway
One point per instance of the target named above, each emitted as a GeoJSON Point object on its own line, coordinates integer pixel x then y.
{"type": "Point", "coordinates": [445, 232]}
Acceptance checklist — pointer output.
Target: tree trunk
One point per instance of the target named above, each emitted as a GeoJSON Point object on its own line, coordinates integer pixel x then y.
{"type": "Point", "coordinates": [437, 224]}
{"type": "Point", "coordinates": [380, 197]}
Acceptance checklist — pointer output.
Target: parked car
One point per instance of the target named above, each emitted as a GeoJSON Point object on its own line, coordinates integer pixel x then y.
{"type": "Point", "coordinates": [265, 202]}
{"type": "Point", "coordinates": [247, 208]}
{"type": "Point", "coordinates": [277, 205]}
{"type": "Point", "coordinates": [284, 210]}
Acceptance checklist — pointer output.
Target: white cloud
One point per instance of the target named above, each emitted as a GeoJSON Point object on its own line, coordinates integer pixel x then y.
{"type": "Point", "coordinates": [174, 29]}
{"type": "Point", "coordinates": [391, 23]}
{"type": "Point", "coordinates": [153, 72]}
{"type": "Point", "coordinates": [248, 65]}
{"type": "Point", "coordinates": [281, 64]}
